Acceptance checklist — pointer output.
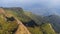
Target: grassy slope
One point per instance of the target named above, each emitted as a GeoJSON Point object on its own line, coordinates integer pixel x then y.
{"type": "Point", "coordinates": [21, 29]}
{"type": "Point", "coordinates": [47, 26]}
{"type": "Point", "coordinates": [36, 30]}
{"type": "Point", "coordinates": [7, 27]}
{"type": "Point", "coordinates": [20, 16]}
{"type": "Point", "coordinates": [24, 19]}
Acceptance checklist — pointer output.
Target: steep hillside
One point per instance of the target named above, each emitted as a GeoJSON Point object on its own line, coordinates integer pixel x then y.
{"type": "Point", "coordinates": [47, 28]}
{"type": "Point", "coordinates": [55, 21]}
{"type": "Point", "coordinates": [12, 26]}
{"type": "Point", "coordinates": [7, 26]}
{"type": "Point", "coordinates": [43, 25]}
{"type": "Point", "coordinates": [34, 23]}
{"type": "Point", "coordinates": [21, 29]}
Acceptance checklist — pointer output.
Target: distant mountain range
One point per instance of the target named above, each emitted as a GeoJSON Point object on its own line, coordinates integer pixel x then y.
{"type": "Point", "coordinates": [55, 21]}
{"type": "Point", "coordinates": [45, 11]}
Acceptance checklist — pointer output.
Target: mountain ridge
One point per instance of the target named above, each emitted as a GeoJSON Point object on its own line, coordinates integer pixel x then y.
{"type": "Point", "coordinates": [33, 22]}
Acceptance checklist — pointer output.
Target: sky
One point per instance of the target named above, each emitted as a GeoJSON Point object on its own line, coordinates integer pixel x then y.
{"type": "Point", "coordinates": [36, 6]}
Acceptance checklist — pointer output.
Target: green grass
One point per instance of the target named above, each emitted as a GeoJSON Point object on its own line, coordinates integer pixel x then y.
{"type": "Point", "coordinates": [47, 28]}
{"type": "Point", "coordinates": [35, 30]}
{"type": "Point", "coordinates": [7, 27]}
{"type": "Point", "coordinates": [21, 16]}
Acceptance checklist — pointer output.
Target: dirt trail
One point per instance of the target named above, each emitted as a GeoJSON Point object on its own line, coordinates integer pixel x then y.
{"type": "Point", "coordinates": [2, 11]}
{"type": "Point", "coordinates": [21, 29]}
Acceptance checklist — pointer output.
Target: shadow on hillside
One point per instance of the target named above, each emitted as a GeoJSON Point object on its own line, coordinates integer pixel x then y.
{"type": "Point", "coordinates": [30, 24]}
{"type": "Point", "coordinates": [14, 30]}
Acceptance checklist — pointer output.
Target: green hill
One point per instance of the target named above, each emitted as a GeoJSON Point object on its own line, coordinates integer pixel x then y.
{"type": "Point", "coordinates": [44, 27]}
{"type": "Point", "coordinates": [34, 23]}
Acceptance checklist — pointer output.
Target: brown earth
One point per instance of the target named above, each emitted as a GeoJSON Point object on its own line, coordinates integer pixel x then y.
{"type": "Point", "coordinates": [21, 29]}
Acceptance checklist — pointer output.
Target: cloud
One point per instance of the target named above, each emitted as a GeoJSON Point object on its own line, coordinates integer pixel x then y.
{"type": "Point", "coordinates": [46, 3]}
{"type": "Point", "coordinates": [30, 3]}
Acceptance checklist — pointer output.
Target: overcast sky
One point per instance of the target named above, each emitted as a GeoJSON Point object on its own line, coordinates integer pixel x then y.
{"type": "Point", "coordinates": [33, 4]}
{"type": "Point", "coordinates": [30, 3]}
